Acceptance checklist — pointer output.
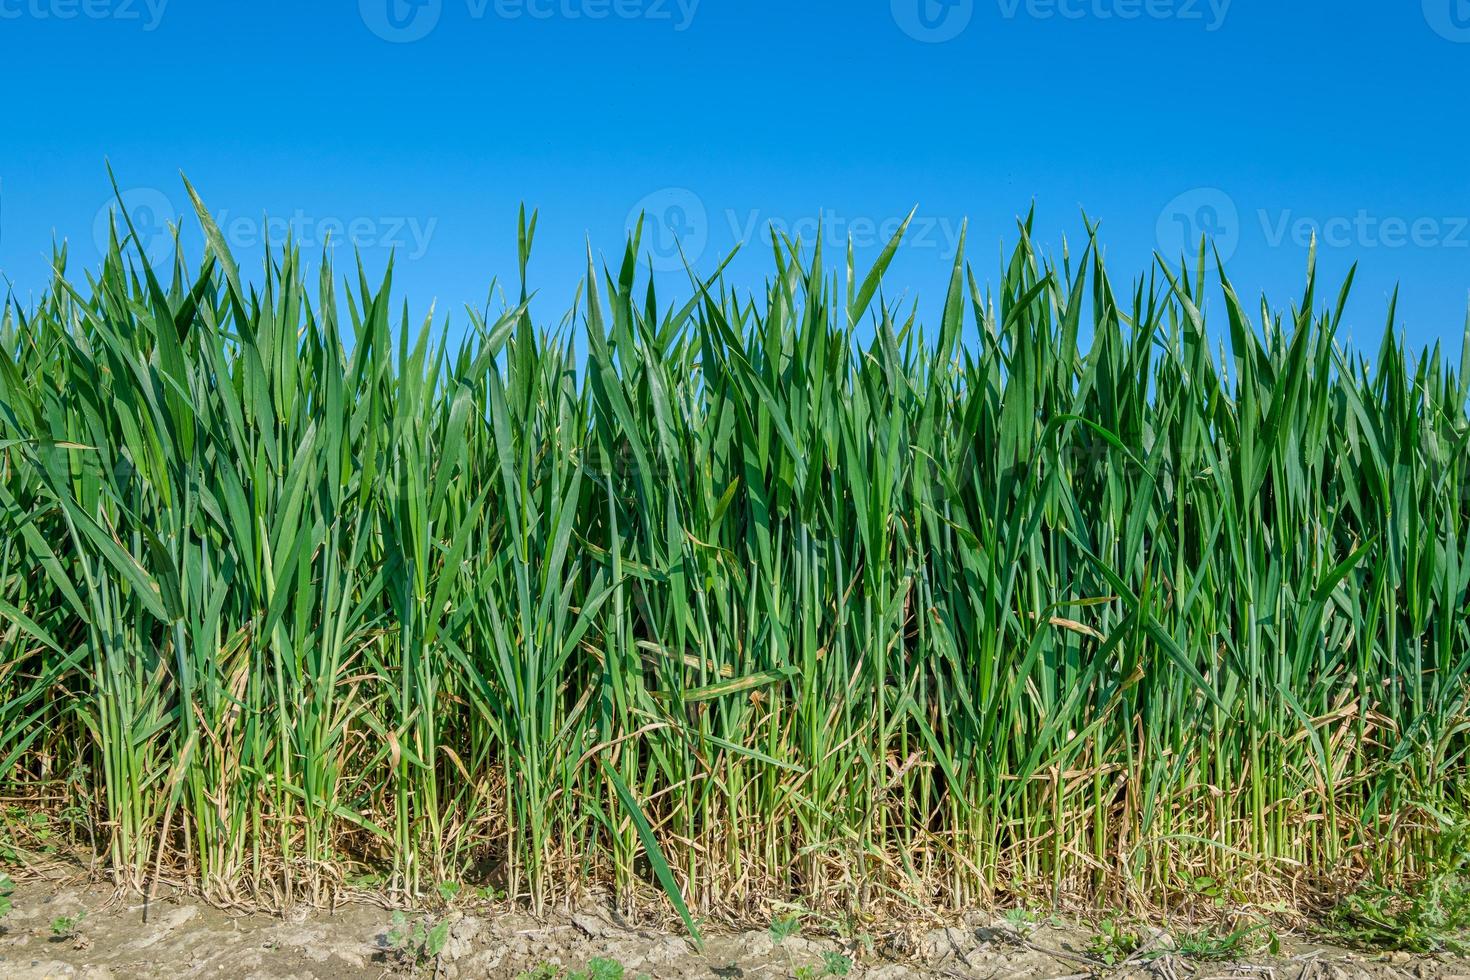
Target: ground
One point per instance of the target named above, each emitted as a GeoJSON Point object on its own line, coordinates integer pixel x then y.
{"type": "Point", "coordinates": [71, 930]}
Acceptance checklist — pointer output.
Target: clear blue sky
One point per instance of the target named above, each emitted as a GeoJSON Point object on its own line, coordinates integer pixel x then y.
{"type": "Point", "coordinates": [423, 124]}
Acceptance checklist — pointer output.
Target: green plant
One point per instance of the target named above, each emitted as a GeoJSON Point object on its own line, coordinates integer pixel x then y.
{"type": "Point", "coordinates": [833, 965]}
{"type": "Point", "coordinates": [1210, 944]}
{"type": "Point", "coordinates": [836, 964]}
{"type": "Point", "coordinates": [795, 595]}
{"type": "Point", "coordinates": [599, 968]}
{"type": "Point", "coordinates": [66, 926]}
{"type": "Point", "coordinates": [1022, 920]}
{"type": "Point", "coordinates": [541, 971]}
{"type": "Point", "coordinates": [1113, 942]}
{"type": "Point", "coordinates": [1430, 916]}
{"type": "Point", "coordinates": [7, 889]}
{"type": "Point", "coordinates": [783, 927]}
{"type": "Point", "coordinates": [417, 942]}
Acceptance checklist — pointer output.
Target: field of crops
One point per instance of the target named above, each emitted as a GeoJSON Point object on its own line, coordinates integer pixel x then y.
{"type": "Point", "coordinates": [1052, 588]}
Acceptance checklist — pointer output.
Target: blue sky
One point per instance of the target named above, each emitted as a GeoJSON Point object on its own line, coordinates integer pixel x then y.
{"type": "Point", "coordinates": [421, 125]}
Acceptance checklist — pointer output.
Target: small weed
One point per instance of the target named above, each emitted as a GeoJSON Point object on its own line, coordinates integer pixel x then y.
{"type": "Point", "coordinates": [1023, 921]}
{"type": "Point", "coordinates": [600, 968]}
{"type": "Point", "coordinates": [836, 965]}
{"type": "Point", "coordinates": [1113, 943]}
{"type": "Point", "coordinates": [784, 927]}
{"type": "Point", "coordinates": [66, 926]}
{"type": "Point", "coordinates": [833, 965]}
{"type": "Point", "coordinates": [1207, 945]}
{"type": "Point", "coordinates": [541, 971]}
{"type": "Point", "coordinates": [417, 943]}
{"type": "Point", "coordinates": [1433, 917]}
{"type": "Point", "coordinates": [7, 888]}
{"type": "Point", "coordinates": [449, 891]}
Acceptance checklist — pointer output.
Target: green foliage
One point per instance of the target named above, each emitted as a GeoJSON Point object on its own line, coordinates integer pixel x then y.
{"type": "Point", "coordinates": [1432, 916]}
{"type": "Point", "coordinates": [1113, 942]}
{"type": "Point", "coordinates": [1210, 944]}
{"type": "Point", "coordinates": [599, 968]}
{"type": "Point", "coordinates": [796, 596]}
{"type": "Point", "coordinates": [7, 889]}
{"type": "Point", "coordinates": [417, 941]}
{"type": "Point", "coordinates": [1022, 920]}
{"type": "Point", "coordinates": [836, 964]}
{"type": "Point", "coordinates": [66, 926]}
{"type": "Point", "coordinates": [833, 965]}
{"type": "Point", "coordinates": [784, 927]}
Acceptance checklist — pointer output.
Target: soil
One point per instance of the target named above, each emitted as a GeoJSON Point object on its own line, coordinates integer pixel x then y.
{"type": "Point", "coordinates": [183, 938]}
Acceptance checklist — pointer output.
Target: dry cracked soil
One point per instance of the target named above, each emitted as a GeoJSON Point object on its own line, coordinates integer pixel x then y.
{"type": "Point", "coordinates": [181, 938]}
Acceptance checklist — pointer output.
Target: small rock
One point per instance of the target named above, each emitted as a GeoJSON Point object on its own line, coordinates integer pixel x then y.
{"type": "Point", "coordinates": [664, 952]}
{"type": "Point", "coordinates": [594, 926]}
{"type": "Point", "coordinates": [350, 957]}
{"type": "Point", "coordinates": [482, 964]}
{"type": "Point", "coordinates": [890, 972]}
{"type": "Point", "coordinates": [944, 943]}
{"type": "Point", "coordinates": [755, 944]}
{"type": "Point", "coordinates": [41, 970]}
{"type": "Point", "coordinates": [461, 941]}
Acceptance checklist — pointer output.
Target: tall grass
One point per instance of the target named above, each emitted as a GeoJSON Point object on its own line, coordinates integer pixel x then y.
{"type": "Point", "coordinates": [758, 600]}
